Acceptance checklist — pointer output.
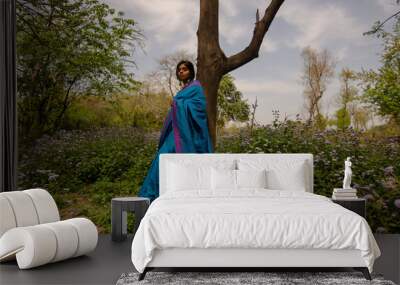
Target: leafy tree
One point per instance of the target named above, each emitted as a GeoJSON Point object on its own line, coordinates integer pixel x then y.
{"type": "Point", "coordinates": [348, 92]}
{"type": "Point", "coordinates": [360, 118]}
{"type": "Point", "coordinates": [66, 48]}
{"type": "Point", "coordinates": [382, 87]}
{"type": "Point", "coordinates": [231, 106]}
{"type": "Point", "coordinates": [346, 99]}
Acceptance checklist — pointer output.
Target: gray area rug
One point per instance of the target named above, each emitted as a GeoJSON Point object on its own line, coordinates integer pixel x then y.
{"type": "Point", "coordinates": [225, 278]}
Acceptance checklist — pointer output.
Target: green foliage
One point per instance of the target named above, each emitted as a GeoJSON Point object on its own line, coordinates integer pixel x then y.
{"type": "Point", "coordinates": [382, 86]}
{"type": "Point", "coordinates": [383, 91]}
{"type": "Point", "coordinates": [321, 122]}
{"type": "Point", "coordinates": [230, 104]}
{"type": "Point", "coordinates": [64, 49]}
{"type": "Point", "coordinates": [84, 170]}
{"type": "Point", "coordinates": [87, 112]}
{"type": "Point", "coordinates": [376, 162]}
{"type": "Point", "coordinates": [146, 111]}
{"type": "Point", "coordinates": [342, 118]}
{"type": "Point", "coordinates": [348, 92]}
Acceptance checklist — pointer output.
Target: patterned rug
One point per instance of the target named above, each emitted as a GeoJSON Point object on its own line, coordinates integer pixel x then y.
{"type": "Point", "coordinates": [273, 278]}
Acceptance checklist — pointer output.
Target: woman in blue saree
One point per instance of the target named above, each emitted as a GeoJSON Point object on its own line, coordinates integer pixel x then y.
{"type": "Point", "coordinates": [185, 128]}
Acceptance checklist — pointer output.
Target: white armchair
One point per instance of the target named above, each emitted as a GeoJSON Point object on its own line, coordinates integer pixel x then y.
{"type": "Point", "coordinates": [31, 230]}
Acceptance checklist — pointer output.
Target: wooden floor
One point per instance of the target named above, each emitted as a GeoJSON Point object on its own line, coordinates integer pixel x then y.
{"type": "Point", "coordinates": [110, 259]}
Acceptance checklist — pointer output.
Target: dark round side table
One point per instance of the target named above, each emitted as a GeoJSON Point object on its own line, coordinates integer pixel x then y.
{"type": "Point", "coordinates": [119, 208]}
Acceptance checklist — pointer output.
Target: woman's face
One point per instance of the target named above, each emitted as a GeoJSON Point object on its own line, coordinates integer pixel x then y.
{"type": "Point", "coordinates": [183, 72]}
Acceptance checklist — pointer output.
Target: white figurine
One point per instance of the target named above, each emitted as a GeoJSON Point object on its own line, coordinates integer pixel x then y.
{"type": "Point", "coordinates": [347, 174]}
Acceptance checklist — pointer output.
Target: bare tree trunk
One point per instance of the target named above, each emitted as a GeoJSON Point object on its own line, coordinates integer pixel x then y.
{"type": "Point", "coordinates": [212, 63]}
{"type": "Point", "coordinates": [209, 60]}
{"type": "Point", "coordinates": [66, 103]}
{"type": "Point", "coordinates": [318, 70]}
{"type": "Point", "coordinates": [253, 114]}
{"type": "Point", "coordinates": [171, 92]}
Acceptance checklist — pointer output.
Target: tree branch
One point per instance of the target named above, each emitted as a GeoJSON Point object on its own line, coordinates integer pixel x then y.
{"type": "Point", "coordinates": [260, 29]}
{"type": "Point", "coordinates": [374, 30]}
{"type": "Point", "coordinates": [34, 34]}
{"type": "Point", "coordinates": [65, 103]}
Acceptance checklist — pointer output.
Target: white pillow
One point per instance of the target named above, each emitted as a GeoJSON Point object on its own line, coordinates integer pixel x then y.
{"type": "Point", "coordinates": [293, 179]}
{"type": "Point", "coordinates": [228, 179]}
{"type": "Point", "coordinates": [223, 179]}
{"type": "Point", "coordinates": [183, 178]}
{"type": "Point", "coordinates": [282, 174]}
{"type": "Point", "coordinates": [216, 163]}
{"type": "Point", "coordinates": [251, 178]}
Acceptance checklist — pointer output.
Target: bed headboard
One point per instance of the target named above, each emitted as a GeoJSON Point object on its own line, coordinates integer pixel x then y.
{"type": "Point", "coordinates": [232, 157]}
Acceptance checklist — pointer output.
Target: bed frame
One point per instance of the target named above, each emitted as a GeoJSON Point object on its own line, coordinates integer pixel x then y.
{"type": "Point", "coordinates": [243, 259]}
{"type": "Point", "coordinates": [246, 258]}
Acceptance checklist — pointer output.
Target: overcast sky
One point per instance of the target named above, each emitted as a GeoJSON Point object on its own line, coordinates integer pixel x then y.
{"type": "Point", "coordinates": [275, 76]}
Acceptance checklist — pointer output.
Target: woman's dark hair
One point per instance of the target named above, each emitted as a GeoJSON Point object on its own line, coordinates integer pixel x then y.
{"type": "Point", "coordinates": [189, 65]}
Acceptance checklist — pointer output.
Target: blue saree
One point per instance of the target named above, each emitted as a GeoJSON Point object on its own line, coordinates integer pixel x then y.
{"type": "Point", "coordinates": [185, 130]}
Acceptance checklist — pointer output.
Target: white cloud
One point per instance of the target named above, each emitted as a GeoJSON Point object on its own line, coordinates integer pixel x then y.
{"type": "Point", "coordinates": [231, 30]}
{"type": "Point", "coordinates": [229, 8]}
{"type": "Point", "coordinates": [189, 44]}
{"type": "Point", "coordinates": [341, 53]}
{"type": "Point", "coordinates": [273, 87]}
{"type": "Point", "coordinates": [389, 6]}
{"type": "Point", "coordinates": [269, 45]}
{"type": "Point", "coordinates": [171, 25]}
{"type": "Point", "coordinates": [234, 27]}
{"type": "Point", "coordinates": [318, 25]}
{"type": "Point", "coordinates": [162, 19]}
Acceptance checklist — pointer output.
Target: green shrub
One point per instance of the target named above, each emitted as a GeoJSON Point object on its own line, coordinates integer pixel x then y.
{"type": "Point", "coordinates": [376, 163]}
{"type": "Point", "coordinates": [85, 170]}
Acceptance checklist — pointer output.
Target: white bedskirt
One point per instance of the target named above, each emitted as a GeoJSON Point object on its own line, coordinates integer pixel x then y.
{"type": "Point", "coordinates": [251, 219]}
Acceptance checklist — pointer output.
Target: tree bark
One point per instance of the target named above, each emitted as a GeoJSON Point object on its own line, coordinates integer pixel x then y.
{"type": "Point", "coordinates": [212, 63]}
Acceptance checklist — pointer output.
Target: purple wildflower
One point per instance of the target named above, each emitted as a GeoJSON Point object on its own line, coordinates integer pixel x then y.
{"type": "Point", "coordinates": [369, 197]}
{"type": "Point", "coordinates": [381, 230]}
{"type": "Point", "coordinates": [389, 171]}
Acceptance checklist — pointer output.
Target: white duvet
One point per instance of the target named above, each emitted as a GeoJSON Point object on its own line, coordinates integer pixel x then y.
{"type": "Point", "coordinates": [251, 218]}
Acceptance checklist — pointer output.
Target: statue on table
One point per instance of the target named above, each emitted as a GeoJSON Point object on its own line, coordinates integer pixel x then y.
{"type": "Point", "coordinates": [347, 174]}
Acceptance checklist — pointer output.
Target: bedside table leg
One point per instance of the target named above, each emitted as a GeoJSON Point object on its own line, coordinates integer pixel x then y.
{"type": "Point", "coordinates": [118, 222]}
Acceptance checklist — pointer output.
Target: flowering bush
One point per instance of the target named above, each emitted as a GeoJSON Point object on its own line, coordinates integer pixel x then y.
{"type": "Point", "coordinates": [84, 170]}
{"type": "Point", "coordinates": [376, 163]}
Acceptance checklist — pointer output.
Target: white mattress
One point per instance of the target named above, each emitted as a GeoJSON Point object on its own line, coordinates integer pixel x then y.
{"type": "Point", "coordinates": [252, 218]}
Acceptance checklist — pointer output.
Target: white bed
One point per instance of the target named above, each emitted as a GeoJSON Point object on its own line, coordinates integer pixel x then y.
{"type": "Point", "coordinates": [248, 226]}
